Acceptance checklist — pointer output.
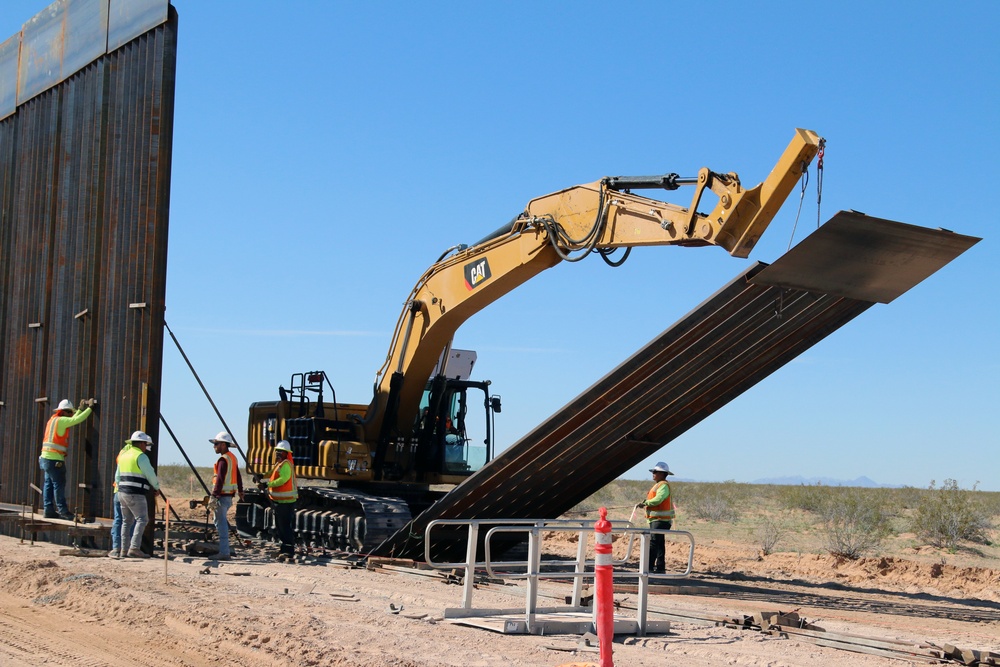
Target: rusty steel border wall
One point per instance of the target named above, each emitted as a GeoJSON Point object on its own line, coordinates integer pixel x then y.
{"type": "Point", "coordinates": [84, 202]}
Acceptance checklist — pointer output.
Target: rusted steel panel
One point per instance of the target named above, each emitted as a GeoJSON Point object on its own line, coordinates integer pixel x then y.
{"type": "Point", "coordinates": [84, 193]}
{"type": "Point", "coordinates": [58, 41]}
{"type": "Point", "coordinates": [736, 338]}
{"type": "Point", "coordinates": [719, 350]}
{"type": "Point", "coordinates": [67, 36]}
{"type": "Point", "coordinates": [128, 18]}
{"type": "Point", "coordinates": [8, 75]}
{"type": "Point", "coordinates": [850, 255]}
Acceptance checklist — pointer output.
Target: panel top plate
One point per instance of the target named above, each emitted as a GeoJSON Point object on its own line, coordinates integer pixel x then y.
{"type": "Point", "coordinates": [870, 259]}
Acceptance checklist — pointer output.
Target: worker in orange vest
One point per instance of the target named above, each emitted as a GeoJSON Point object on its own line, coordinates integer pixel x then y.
{"type": "Point", "coordinates": [659, 508]}
{"type": "Point", "coordinates": [55, 447]}
{"type": "Point", "coordinates": [227, 482]}
{"type": "Point", "coordinates": [283, 492]}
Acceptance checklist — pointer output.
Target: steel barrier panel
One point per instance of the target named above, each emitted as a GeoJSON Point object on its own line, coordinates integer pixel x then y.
{"type": "Point", "coordinates": [128, 18]}
{"type": "Point", "coordinates": [9, 51]}
{"type": "Point", "coordinates": [733, 340]}
{"type": "Point", "coordinates": [64, 38]}
{"type": "Point", "coordinates": [60, 40]}
{"type": "Point", "coordinates": [84, 198]}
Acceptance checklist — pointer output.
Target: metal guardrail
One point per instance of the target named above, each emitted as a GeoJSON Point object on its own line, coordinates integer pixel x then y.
{"type": "Point", "coordinates": [535, 567]}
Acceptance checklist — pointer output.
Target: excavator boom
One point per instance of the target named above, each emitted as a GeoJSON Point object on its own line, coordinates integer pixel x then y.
{"type": "Point", "coordinates": [564, 226]}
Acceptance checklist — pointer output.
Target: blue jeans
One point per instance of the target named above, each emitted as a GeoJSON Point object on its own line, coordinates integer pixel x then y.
{"type": "Point", "coordinates": [54, 486]}
{"type": "Point", "coordinates": [222, 523]}
{"type": "Point", "coordinates": [116, 525]}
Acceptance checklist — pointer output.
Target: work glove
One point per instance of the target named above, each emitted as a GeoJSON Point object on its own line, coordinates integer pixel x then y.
{"type": "Point", "coordinates": [640, 505]}
{"type": "Point", "coordinates": [213, 503]}
{"type": "Point", "coordinates": [262, 485]}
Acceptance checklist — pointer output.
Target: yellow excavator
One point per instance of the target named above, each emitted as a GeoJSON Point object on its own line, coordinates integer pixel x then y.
{"type": "Point", "coordinates": [371, 467]}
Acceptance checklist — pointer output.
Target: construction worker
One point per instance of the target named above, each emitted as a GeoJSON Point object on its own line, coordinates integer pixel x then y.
{"type": "Point", "coordinates": [282, 490]}
{"type": "Point", "coordinates": [116, 521]}
{"type": "Point", "coordinates": [55, 446]}
{"type": "Point", "coordinates": [227, 482]}
{"type": "Point", "coordinates": [135, 477]}
{"type": "Point", "coordinates": [660, 514]}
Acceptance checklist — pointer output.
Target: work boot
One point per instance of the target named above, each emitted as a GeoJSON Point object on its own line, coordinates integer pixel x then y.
{"type": "Point", "coordinates": [136, 553]}
{"type": "Point", "coordinates": [114, 553]}
{"type": "Point", "coordinates": [66, 516]}
{"type": "Point", "coordinates": [226, 557]}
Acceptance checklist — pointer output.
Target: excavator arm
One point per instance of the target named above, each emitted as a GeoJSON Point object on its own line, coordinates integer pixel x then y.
{"type": "Point", "coordinates": [564, 226]}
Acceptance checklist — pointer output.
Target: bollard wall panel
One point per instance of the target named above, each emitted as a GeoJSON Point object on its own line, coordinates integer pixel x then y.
{"type": "Point", "coordinates": [84, 202]}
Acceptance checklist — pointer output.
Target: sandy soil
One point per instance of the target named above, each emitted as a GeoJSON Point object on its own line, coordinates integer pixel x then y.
{"type": "Point", "coordinates": [252, 611]}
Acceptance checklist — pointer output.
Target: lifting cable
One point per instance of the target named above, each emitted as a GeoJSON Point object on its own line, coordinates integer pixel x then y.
{"type": "Point", "coordinates": [819, 178]}
{"type": "Point", "coordinates": [802, 196]}
{"type": "Point", "coordinates": [802, 191]}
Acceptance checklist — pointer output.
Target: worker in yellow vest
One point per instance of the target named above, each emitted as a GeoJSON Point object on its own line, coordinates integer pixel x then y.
{"type": "Point", "coordinates": [283, 492]}
{"type": "Point", "coordinates": [135, 478]}
{"type": "Point", "coordinates": [227, 483]}
{"type": "Point", "coordinates": [659, 508]}
{"type": "Point", "coordinates": [55, 447]}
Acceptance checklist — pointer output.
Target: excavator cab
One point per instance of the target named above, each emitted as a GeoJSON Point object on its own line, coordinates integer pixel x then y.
{"type": "Point", "coordinates": [454, 438]}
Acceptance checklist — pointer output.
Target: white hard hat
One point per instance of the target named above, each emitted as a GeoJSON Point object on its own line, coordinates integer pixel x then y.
{"type": "Point", "coordinates": [661, 467]}
{"type": "Point", "coordinates": [65, 404]}
{"type": "Point", "coordinates": [223, 438]}
{"type": "Point", "coordinates": [139, 436]}
{"type": "Point", "coordinates": [283, 446]}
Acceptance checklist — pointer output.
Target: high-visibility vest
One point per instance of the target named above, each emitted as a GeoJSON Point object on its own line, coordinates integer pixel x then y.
{"type": "Point", "coordinates": [131, 480]}
{"type": "Point", "coordinates": [287, 492]}
{"type": "Point", "coordinates": [229, 484]}
{"type": "Point", "coordinates": [53, 443]}
{"type": "Point", "coordinates": [665, 510]}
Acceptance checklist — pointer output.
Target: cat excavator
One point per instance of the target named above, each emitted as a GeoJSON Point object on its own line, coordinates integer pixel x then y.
{"type": "Point", "coordinates": [365, 470]}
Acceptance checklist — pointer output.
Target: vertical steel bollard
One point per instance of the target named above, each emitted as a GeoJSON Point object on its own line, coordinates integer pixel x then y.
{"type": "Point", "coordinates": [604, 600]}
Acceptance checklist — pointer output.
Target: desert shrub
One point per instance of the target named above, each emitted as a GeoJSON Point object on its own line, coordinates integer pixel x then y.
{"type": "Point", "coordinates": [855, 522]}
{"type": "Point", "coordinates": [810, 498]}
{"type": "Point", "coordinates": [990, 501]}
{"type": "Point", "coordinates": [767, 535]}
{"type": "Point", "coordinates": [948, 515]}
{"type": "Point", "coordinates": [180, 480]}
{"type": "Point", "coordinates": [713, 502]}
{"type": "Point", "coordinates": [619, 497]}
{"type": "Point", "coordinates": [908, 497]}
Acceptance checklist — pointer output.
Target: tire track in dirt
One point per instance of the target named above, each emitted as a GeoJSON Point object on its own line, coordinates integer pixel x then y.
{"type": "Point", "coordinates": [27, 632]}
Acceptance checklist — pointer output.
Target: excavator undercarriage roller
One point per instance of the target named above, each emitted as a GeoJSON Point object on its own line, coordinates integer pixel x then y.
{"type": "Point", "coordinates": [339, 519]}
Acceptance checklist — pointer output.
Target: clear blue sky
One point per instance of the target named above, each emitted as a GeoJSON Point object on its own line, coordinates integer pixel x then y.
{"type": "Point", "coordinates": [325, 153]}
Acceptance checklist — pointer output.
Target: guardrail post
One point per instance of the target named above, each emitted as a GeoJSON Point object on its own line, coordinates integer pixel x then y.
{"type": "Point", "coordinates": [604, 600]}
{"type": "Point", "coordinates": [470, 565]}
{"type": "Point", "coordinates": [534, 567]}
{"type": "Point", "coordinates": [581, 565]}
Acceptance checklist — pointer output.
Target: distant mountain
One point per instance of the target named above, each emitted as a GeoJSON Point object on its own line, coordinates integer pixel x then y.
{"type": "Point", "coordinates": [797, 480]}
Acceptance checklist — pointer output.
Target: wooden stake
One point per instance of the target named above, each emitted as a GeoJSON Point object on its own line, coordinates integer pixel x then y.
{"type": "Point", "coordinates": [166, 541]}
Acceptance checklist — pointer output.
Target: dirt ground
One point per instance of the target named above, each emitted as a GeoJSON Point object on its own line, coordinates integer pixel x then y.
{"type": "Point", "coordinates": [252, 611]}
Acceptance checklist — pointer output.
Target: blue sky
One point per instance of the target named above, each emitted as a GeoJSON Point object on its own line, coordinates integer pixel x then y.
{"type": "Point", "coordinates": [325, 153]}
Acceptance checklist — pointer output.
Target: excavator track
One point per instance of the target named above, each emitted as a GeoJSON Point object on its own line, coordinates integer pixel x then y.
{"type": "Point", "coordinates": [340, 519]}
